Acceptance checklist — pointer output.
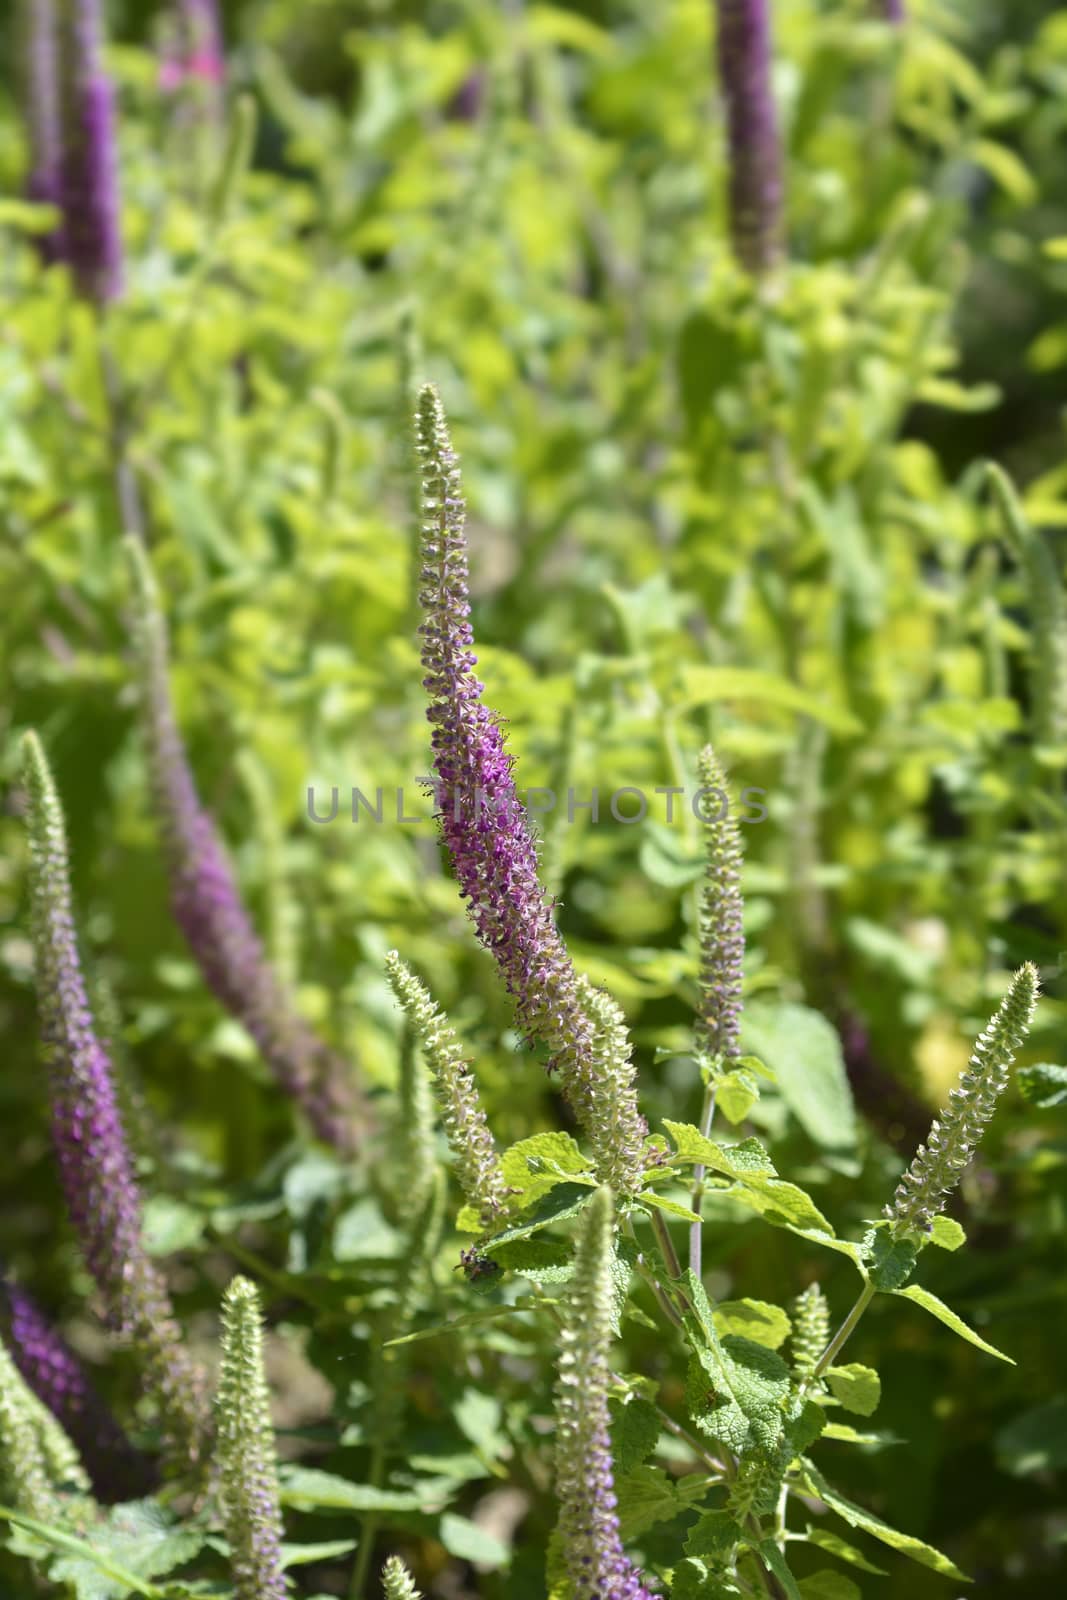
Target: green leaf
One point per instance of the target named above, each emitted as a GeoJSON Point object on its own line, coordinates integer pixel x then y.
{"type": "Point", "coordinates": [635, 1431]}
{"type": "Point", "coordinates": [90, 1568]}
{"type": "Point", "coordinates": [310, 1489]}
{"type": "Point", "coordinates": [784, 1204]}
{"type": "Point", "coordinates": [857, 1517]}
{"type": "Point", "coordinates": [672, 1207]}
{"type": "Point", "coordinates": [298, 1555]}
{"type": "Point", "coordinates": [834, 1545]}
{"type": "Point", "coordinates": [744, 1160]}
{"type": "Point", "coordinates": [465, 1540]}
{"type": "Point", "coordinates": [703, 686]}
{"type": "Point", "coordinates": [534, 1166]}
{"type": "Point", "coordinates": [775, 1562]}
{"type": "Point", "coordinates": [714, 1534]}
{"type": "Point", "coordinates": [947, 1234]}
{"type": "Point", "coordinates": [827, 1585]}
{"type": "Point", "coordinates": [736, 1094]}
{"type": "Point", "coordinates": [804, 1050]}
{"type": "Point", "coordinates": [857, 1388]}
{"type": "Point", "coordinates": [890, 1261]}
{"type": "Point", "coordinates": [1044, 1085]}
{"type": "Point", "coordinates": [646, 1496]}
{"type": "Point", "coordinates": [562, 1202]}
{"type": "Point", "coordinates": [752, 1319]}
{"type": "Point", "coordinates": [943, 1313]}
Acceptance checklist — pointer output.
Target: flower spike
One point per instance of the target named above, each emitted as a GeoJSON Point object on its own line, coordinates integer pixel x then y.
{"type": "Point", "coordinates": [488, 835]}
{"type": "Point", "coordinates": [939, 1163]}
{"type": "Point", "coordinates": [589, 1524]}
{"type": "Point", "coordinates": [207, 903]}
{"type": "Point", "coordinates": [90, 182]}
{"type": "Point", "coordinates": [744, 46]}
{"type": "Point", "coordinates": [722, 934]}
{"type": "Point", "coordinates": [250, 1504]}
{"type": "Point", "coordinates": [473, 1148]}
{"type": "Point", "coordinates": [58, 1379]}
{"type": "Point", "coordinates": [95, 1167]}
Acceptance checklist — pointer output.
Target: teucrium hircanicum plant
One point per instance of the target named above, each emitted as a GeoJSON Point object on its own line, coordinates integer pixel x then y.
{"type": "Point", "coordinates": [207, 901]}
{"type": "Point", "coordinates": [939, 1164]}
{"type": "Point", "coordinates": [489, 840]}
{"type": "Point", "coordinates": [95, 1166]}
{"type": "Point", "coordinates": [245, 1451]}
{"type": "Point", "coordinates": [473, 1148]}
{"type": "Point", "coordinates": [593, 1554]}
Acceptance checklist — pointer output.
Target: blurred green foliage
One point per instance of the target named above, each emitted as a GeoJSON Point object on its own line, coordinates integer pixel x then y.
{"type": "Point", "coordinates": [700, 507]}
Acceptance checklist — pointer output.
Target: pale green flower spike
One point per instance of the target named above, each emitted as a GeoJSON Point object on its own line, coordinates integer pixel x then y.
{"type": "Point", "coordinates": [939, 1163]}
{"type": "Point", "coordinates": [416, 1156]}
{"type": "Point", "coordinates": [245, 1451]}
{"type": "Point", "coordinates": [607, 1104]}
{"type": "Point", "coordinates": [396, 1581]}
{"type": "Point", "coordinates": [811, 1330]}
{"type": "Point", "coordinates": [36, 1457]}
{"type": "Point", "coordinates": [473, 1148]}
{"type": "Point", "coordinates": [1048, 607]}
{"type": "Point", "coordinates": [722, 935]}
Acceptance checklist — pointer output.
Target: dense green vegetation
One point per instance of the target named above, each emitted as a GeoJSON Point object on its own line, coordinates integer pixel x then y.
{"type": "Point", "coordinates": [704, 505]}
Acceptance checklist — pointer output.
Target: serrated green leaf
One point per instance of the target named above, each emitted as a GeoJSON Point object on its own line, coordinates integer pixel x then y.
{"type": "Point", "coordinates": [857, 1517]}
{"type": "Point", "coordinates": [646, 1496]}
{"type": "Point", "coordinates": [1044, 1084]}
{"type": "Point", "coordinates": [714, 1534]}
{"type": "Point", "coordinates": [753, 1319]}
{"type": "Point", "coordinates": [534, 1166]}
{"type": "Point", "coordinates": [947, 1234]}
{"type": "Point", "coordinates": [635, 1431]}
{"type": "Point", "coordinates": [563, 1201]}
{"type": "Point", "coordinates": [890, 1262]}
{"type": "Point", "coordinates": [937, 1308]}
{"type": "Point", "coordinates": [744, 1160]}
{"type": "Point", "coordinates": [736, 1093]}
{"type": "Point", "coordinates": [784, 1204]}
{"type": "Point", "coordinates": [857, 1388]}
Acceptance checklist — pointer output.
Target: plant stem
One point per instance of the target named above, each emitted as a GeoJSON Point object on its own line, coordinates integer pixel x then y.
{"type": "Point", "coordinates": [866, 1295]}
{"type": "Point", "coordinates": [369, 1528]}
{"type": "Point", "coordinates": [663, 1299]}
{"type": "Point", "coordinates": [700, 1173]}
{"type": "Point", "coordinates": [666, 1244]}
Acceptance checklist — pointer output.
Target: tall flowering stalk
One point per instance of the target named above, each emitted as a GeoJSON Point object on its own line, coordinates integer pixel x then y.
{"type": "Point", "coordinates": [755, 183]}
{"type": "Point", "coordinates": [95, 1167]}
{"type": "Point", "coordinates": [954, 1136]}
{"type": "Point", "coordinates": [488, 835]}
{"type": "Point", "coordinates": [90, 182]}
{"type": "Point", "coordinates": [1048, 612]}
{"type": "Point", "coordinates": [473, 1147]}
{"type": "Point", "coordinates": [589, 1524]}
{"type": "Point", "coordinates": [207, 903]}
{"type": "Point", "coordinates": [245, 1451]}
{"type": "Point", "coordinates": [811, 1330]}
{"type": "Point", "coordinates": [722, 934]}
{"type": "Point", "coordinates": [41, 55]}
{"type": "Point", "coordinates": [58, 1379]}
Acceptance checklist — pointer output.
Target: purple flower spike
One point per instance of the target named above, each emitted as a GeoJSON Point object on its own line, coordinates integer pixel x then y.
{"type": "Point", "coordinates": [207, 903]}
{"type": "Point", "coordinates": [744, 42]}
{"type": "Point", "coordinates": [45, 181]}
{"type": "Point", "coordinates": [492, 848]}
{"type": "Point", "coordinates": [893, 10]}
{"type": "Point", "coordinates": [56, 1376]}
{"type": "Point", "coordinates": [585, 1483]}
{"type": "Point", "coordinates": [95, 1167]}
{"type": "Point", "coordinates": [93, 237]}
